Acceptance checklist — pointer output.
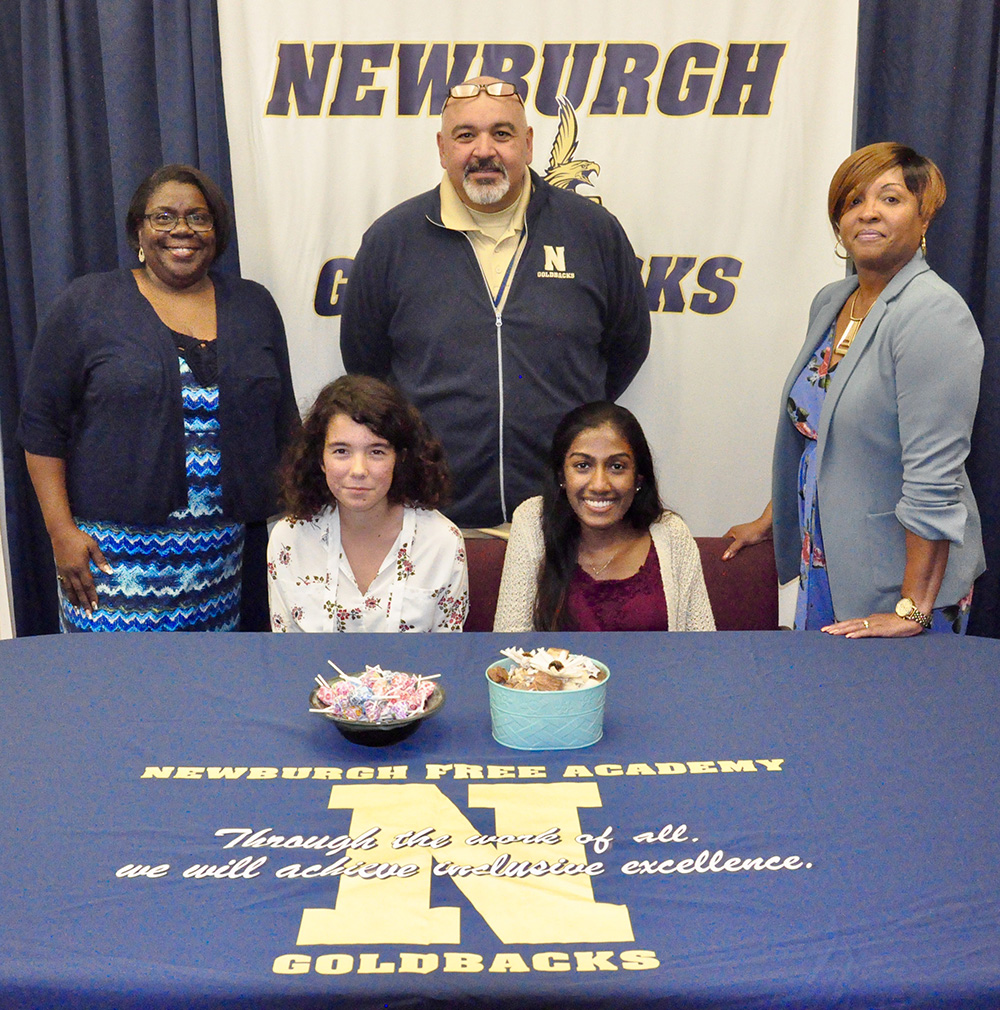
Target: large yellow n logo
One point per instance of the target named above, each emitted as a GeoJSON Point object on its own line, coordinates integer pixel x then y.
{"type": "Point", "coordinates": [555, 258]}
{"type": "Point", "coordinates": [539, 909]}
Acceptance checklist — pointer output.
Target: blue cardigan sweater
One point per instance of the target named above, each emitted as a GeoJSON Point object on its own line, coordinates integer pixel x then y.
{"type": "Point", "coordinates": [104, 393]}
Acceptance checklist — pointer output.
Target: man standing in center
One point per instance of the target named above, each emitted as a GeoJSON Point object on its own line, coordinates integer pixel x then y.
{"type": "Point", "coordinates": [496, 302]}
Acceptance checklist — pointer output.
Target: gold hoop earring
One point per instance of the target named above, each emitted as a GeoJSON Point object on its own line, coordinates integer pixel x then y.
{"type": "Point", "coordinates": [837, 246]}
{"type": "Point", "coordinates": [923, 244]}
{"type": "Point", "coordinates": [142, 255]}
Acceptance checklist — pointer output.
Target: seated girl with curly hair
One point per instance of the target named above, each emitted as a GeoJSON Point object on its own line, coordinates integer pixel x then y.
{"type": "Point", "coordinates": [361, 547]}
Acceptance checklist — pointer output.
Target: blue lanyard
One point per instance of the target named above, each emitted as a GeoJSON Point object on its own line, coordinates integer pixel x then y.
{"type": "Point", "coordinates": [498, 298]}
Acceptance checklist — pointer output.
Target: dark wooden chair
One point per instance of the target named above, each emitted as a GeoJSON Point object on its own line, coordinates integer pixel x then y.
{"type": "Point", "coordinates": [743, 591]}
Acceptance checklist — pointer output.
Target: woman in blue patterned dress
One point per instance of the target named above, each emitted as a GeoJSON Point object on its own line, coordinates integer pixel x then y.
{"type": "Point", "coordinates": [157, 405]}
{"type": "Point", "coordinates": [877, 417]}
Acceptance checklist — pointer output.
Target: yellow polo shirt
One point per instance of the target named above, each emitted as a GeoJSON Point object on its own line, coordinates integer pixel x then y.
{"type": "Point", "coordinates": [494, 236]}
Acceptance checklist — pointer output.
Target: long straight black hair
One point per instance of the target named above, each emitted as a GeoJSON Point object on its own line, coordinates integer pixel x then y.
{"type": "Point", "coordinates": [560, 525]}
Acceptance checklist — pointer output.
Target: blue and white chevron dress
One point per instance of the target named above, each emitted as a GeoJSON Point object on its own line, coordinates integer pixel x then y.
{"type": "Point", "coordinates": [183, 575]}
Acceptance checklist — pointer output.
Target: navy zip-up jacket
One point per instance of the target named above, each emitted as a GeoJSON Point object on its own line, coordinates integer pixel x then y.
{"type": "Point", "coordinates": [493, 383]}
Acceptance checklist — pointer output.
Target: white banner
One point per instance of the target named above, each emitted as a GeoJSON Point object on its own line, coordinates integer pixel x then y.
{"type": "Point", "coordinates": [715, 126]}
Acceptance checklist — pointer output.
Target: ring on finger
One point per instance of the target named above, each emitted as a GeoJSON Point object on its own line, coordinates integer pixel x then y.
{"type": "Point", "coordinates": [866, 624]}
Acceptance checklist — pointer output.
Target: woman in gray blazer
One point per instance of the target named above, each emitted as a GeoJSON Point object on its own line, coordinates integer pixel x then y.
{"type": "Point", "coordinates": [877, 415]}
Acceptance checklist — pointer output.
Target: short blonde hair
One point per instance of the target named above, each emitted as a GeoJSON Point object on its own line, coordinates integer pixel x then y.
{"type": "Point", "coordinates": [922, 177]}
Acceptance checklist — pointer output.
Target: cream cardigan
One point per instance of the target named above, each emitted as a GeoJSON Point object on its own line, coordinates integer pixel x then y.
{"type": "Point", "coordinates": [688, 608]}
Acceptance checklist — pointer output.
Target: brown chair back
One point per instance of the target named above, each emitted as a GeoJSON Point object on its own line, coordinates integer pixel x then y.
{"type": "Point", "coordinates": [485, 568]}
{"type": "Point", "coordinates": [743, 591]}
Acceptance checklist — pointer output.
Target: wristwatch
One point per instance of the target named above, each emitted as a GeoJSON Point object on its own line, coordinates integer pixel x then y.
{"type": "Point", "coordinates": [907, 609]}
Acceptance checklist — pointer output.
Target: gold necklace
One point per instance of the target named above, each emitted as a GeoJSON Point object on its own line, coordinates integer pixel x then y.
{"type": "Point", "coordinates": [597, 571]}
{"type": "Point", "coordinates": [853, 325]}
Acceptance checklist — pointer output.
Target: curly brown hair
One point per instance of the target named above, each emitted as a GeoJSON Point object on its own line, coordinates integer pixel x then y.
{"type": "Point", "coordinates": [420, 477]}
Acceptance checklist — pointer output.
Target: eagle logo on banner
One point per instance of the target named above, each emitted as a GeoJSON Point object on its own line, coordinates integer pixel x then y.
{"type": "Point", "coordinates": [564, 172]}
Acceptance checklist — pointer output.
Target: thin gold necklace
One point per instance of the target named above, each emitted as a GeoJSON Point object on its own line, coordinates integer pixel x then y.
{"type": "Point", "coordinates": [853, 325]}
{"type": "Point", "coordinates": [597, 571]}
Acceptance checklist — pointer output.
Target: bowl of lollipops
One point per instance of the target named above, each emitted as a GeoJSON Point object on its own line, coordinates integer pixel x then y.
{"type": "Point", "coordinates": [546, 699]}
{"type": "Point", "coordinates": [377, 707]}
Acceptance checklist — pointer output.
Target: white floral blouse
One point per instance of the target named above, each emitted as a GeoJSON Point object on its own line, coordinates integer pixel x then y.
{"type": "Point", "coordinates": [422, 585]}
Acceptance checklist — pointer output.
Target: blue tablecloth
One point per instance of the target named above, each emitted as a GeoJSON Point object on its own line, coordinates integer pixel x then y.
{"type": "Point", "coordinates": [770, 820]}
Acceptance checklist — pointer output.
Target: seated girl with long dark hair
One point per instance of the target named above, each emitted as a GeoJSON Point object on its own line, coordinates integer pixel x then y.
{"type": "Point", "coordinates": [361, 547]}
{"type": "Point", "coordinates": [598, 551]}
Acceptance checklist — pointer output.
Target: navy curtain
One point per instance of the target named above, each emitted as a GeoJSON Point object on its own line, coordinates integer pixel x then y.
{"type": "Point", "coordinates": [99, 92]}
{"type": "Point", "coordinates": [927, 77]}
{"type": "Point", "coordinates": [96, 94]}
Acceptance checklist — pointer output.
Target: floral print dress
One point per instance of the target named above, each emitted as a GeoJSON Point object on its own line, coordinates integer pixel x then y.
{"type": "Point", "coordinates": [422, 584]}
{"type": "Point", "coordinates": [814, 605]}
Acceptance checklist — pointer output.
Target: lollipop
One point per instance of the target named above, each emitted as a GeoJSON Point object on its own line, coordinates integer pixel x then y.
{"type": "Point", "coordinates": [374, 696]}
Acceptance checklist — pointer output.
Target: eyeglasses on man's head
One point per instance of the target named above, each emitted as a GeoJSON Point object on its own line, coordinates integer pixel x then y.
{"type": "Point", "coordinates": [495, 89]}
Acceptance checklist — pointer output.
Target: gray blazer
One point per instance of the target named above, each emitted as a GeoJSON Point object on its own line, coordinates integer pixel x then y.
{"type": "Point", "coordinates": [893, 437]}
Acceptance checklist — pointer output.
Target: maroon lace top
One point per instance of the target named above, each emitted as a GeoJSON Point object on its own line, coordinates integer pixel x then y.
{"type": "Point", "coordinates": [633, 604]}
